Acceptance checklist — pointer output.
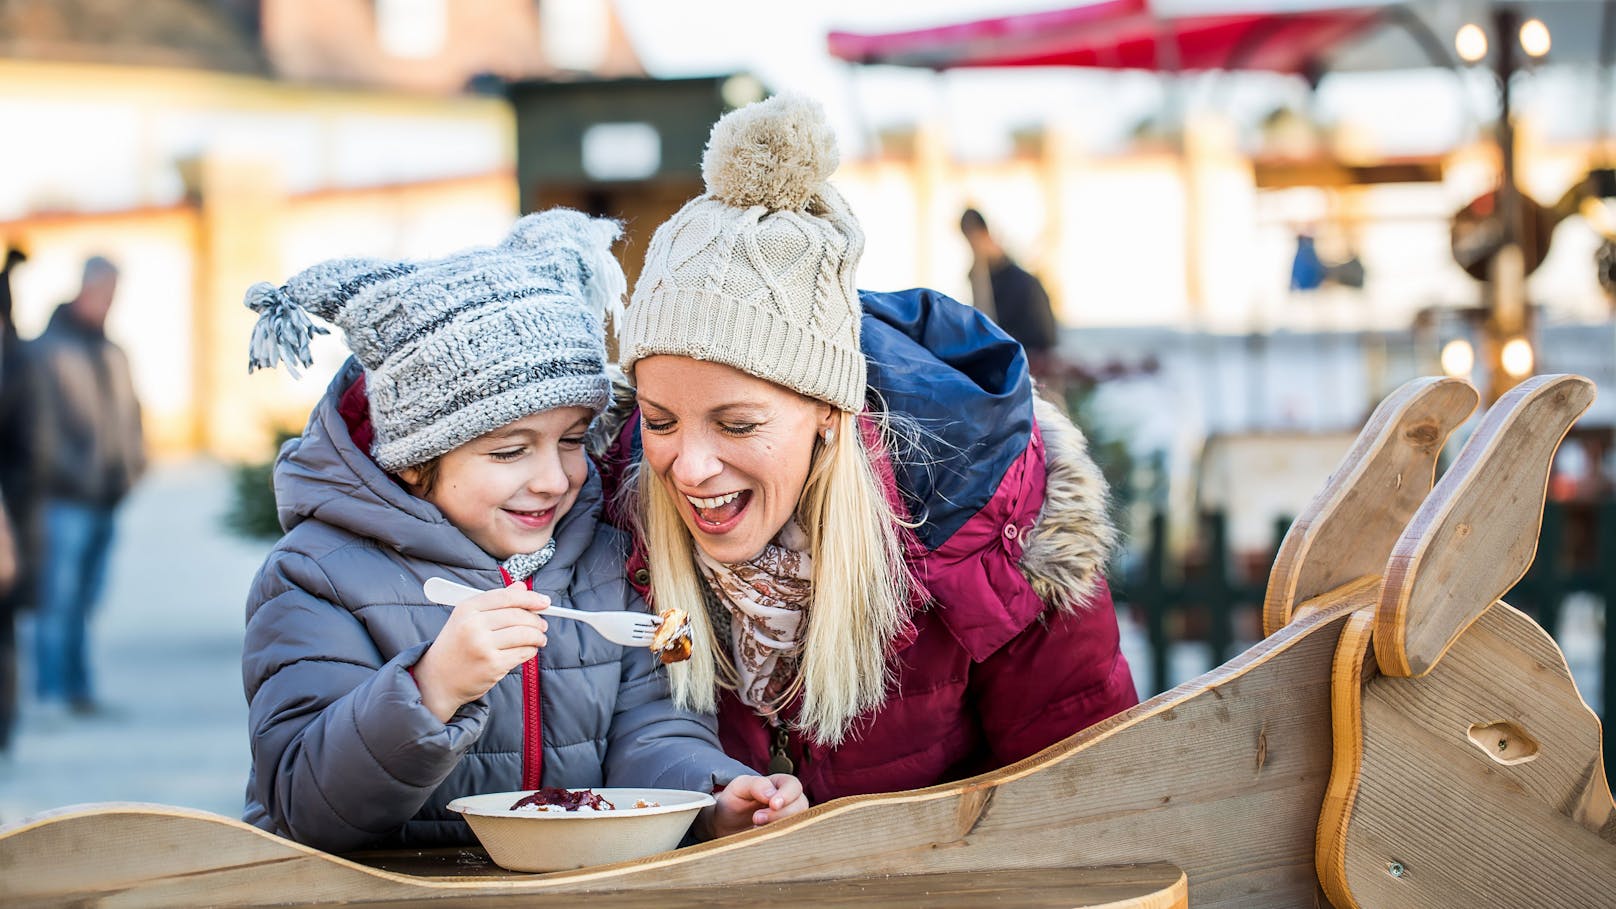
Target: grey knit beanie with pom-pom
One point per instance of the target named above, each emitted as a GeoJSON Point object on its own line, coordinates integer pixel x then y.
{"type": "Point", "coordinates": [757, 273]}
{"type": "Point", "coordinates": [457, 347]}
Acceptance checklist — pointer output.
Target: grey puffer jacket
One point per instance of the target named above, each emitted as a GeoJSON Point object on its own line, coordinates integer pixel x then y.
{"type": "Point", "coordinates": [344, 754]}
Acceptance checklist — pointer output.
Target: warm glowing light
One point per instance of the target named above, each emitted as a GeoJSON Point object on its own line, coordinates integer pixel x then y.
{"type": "Point", "coordinates": [1470, 42]}
{"type": "Point", "coordinates": [1517, 358]}
{"type": "Point", "coordinates": [1458, 358]}
{"type": "Point", "coordinates": [1535, 38]}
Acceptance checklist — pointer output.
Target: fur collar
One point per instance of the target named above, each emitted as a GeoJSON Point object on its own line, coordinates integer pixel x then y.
{"type": "Point", "coordinates": [1067, 552]}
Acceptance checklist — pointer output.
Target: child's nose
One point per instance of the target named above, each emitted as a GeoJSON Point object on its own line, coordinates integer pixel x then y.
{"type": "Point", "coordinates": [549, 477]}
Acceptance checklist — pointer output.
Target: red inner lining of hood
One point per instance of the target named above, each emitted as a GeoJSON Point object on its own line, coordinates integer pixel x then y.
{"type": "Point", "coordinates": [354, 408]}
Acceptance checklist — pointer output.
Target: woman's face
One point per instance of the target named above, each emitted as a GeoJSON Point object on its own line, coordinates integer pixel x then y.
{"type": "Point", "coordinates": [733, 450]}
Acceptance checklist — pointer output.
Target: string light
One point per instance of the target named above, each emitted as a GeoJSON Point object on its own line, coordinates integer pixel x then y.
{"type": "Point", "coordinates": [1517, 358]}
{"type": "Point", "coordinates": [1470, 42]}
{"type": "Point", "coordinates": [1535, 38]}
{"type": "Point", "coordinates": [1458, 358]}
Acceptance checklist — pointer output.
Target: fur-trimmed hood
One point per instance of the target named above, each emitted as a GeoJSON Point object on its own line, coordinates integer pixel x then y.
{"type": "Point", "coordinates": [1073, 540]}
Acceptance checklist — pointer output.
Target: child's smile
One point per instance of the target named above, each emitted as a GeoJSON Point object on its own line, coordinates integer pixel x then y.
{"type": "Point", "coordinates": [533, 519]}
{"type": "Point", "coordinates": [507, 490]}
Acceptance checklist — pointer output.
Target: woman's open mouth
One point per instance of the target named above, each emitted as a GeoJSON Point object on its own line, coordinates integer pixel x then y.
{"type": "Point", "coordinates": [719, 514]}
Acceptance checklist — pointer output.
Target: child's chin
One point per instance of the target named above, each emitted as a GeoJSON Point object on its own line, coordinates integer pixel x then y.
{"type": "Point", "coordinates": [530, 543]}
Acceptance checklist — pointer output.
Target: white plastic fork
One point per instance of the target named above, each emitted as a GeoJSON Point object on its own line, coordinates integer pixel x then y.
{"type": "Point", "coordinates": [631, 629]}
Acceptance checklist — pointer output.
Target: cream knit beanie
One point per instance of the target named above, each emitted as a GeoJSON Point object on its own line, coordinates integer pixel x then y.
{"type": "Point", "coordinates": [758, 272]}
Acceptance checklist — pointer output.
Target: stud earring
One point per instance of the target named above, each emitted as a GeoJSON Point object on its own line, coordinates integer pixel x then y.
{"type": "Point", "coordinates": [829, 435]}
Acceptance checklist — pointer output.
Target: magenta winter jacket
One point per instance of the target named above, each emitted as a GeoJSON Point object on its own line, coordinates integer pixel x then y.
{"type": "Point", "coordinates": [1014, 644]}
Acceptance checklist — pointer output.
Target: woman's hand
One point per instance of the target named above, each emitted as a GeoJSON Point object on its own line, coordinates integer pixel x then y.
{"type": "Point", "coordinates": [486, 637]}
{"type": "Point", "coordinates": [752, 801]}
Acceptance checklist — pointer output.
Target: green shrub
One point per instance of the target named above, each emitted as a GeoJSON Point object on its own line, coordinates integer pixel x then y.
{"type": "Point", "coordinates": [252, 511]}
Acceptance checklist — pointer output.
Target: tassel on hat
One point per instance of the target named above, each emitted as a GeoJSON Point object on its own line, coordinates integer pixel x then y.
{"type": "Point", "coordinates": [282, 332]}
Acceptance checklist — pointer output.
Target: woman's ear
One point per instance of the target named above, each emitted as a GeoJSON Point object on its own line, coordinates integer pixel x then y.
{"type": "Point", "coordinates": [827, 418]}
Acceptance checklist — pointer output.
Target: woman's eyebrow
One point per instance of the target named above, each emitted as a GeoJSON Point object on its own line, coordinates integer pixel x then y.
{"type": "Point", "coordinates": [739, 406]}
{"type": "Point", "coordinates": [721, 409]}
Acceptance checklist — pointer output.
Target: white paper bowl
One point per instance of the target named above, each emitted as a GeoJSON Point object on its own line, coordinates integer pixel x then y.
{"type": "Point", "coordinates": [556, 840]}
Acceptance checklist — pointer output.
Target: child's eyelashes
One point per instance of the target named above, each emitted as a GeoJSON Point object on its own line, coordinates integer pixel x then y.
{"type": "Point", "coordinates": [572, 441]}
{"type": "Point", "coordinates": [508, 454]}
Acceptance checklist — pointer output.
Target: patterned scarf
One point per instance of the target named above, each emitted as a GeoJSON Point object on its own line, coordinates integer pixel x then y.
{"type": "Point", "coordinates": [767, 601]}
{"type": "Point", "coordinates": [524, 565]}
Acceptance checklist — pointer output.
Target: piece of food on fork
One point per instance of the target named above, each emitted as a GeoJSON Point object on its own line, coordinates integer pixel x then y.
{"type": "Point", "coordinates": [672, 641]}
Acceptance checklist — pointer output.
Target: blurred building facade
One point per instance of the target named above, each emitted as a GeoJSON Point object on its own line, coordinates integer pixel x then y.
{"type": "Point", "coordinates": [208, 145]}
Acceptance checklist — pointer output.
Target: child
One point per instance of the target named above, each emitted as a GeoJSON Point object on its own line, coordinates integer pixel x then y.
{"type": "Point", "coordinates": [451, 445]}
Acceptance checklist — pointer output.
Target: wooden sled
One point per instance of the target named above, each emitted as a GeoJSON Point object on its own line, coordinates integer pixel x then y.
{"type": "Point", "coordinates": [1400, 738]}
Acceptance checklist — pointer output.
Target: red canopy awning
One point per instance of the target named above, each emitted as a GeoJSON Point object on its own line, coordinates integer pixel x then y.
{"type": "Point", "coordinates": [1119, 34]}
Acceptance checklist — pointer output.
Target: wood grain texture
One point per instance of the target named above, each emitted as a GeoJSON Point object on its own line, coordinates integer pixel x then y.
{"type": "Point", "coordinates": [1464, 828]}
{"type": "Point", "coordinates": [1476, 533]}
{"type": "Point", "coordinates": [1154, 886]}
{"type": "Point", "coordinates": [1221, 777]}
{"type": "Point", "coordinates": [1348, 529]}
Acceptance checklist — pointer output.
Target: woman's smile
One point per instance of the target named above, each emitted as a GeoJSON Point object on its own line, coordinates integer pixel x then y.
{"type": "Point", "coordinates": [719, 514]}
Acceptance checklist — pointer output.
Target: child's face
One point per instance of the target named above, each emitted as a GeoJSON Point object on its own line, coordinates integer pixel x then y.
{"type": "Point", "coordinates": [507, 490]}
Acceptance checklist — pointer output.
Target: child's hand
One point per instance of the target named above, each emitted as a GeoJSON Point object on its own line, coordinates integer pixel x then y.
{"type": "Point", "coordinates": [486, 637]}
{"type": "Point", "coordinates": [752, 801]}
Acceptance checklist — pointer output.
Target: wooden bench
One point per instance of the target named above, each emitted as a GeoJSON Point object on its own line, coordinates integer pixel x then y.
{"type": "Point", "coordinates": [1400, 738]}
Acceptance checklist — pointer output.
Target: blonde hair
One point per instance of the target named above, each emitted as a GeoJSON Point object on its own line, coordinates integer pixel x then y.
{"type": "Point", "coordinates": [861, 586]}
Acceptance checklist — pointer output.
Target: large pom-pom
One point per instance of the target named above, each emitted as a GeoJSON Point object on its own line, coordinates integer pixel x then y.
{"type": "Point", "coordinates": [776, 153]}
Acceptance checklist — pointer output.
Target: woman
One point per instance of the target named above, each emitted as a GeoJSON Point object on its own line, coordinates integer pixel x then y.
{"type": "Point", "coordinates": [890, 553]}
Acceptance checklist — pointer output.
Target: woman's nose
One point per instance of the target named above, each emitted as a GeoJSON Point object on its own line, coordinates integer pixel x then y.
{"type": "Point", "coordinates": [694, 463]}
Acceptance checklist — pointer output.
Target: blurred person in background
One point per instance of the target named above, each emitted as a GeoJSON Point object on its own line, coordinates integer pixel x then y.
{"type": "Point", "coordinates": [18, 492]}
{"type": "Point", "coordinates": [891, 553]}
{"type": "Point", "coordinates": [1015, 299]}
{"type": "Point", "coordinates": [88, 451]}
{"type": "Point", "coordinates": [8, 552]}
{"type": "Point", "coordinates": [9, 572]}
